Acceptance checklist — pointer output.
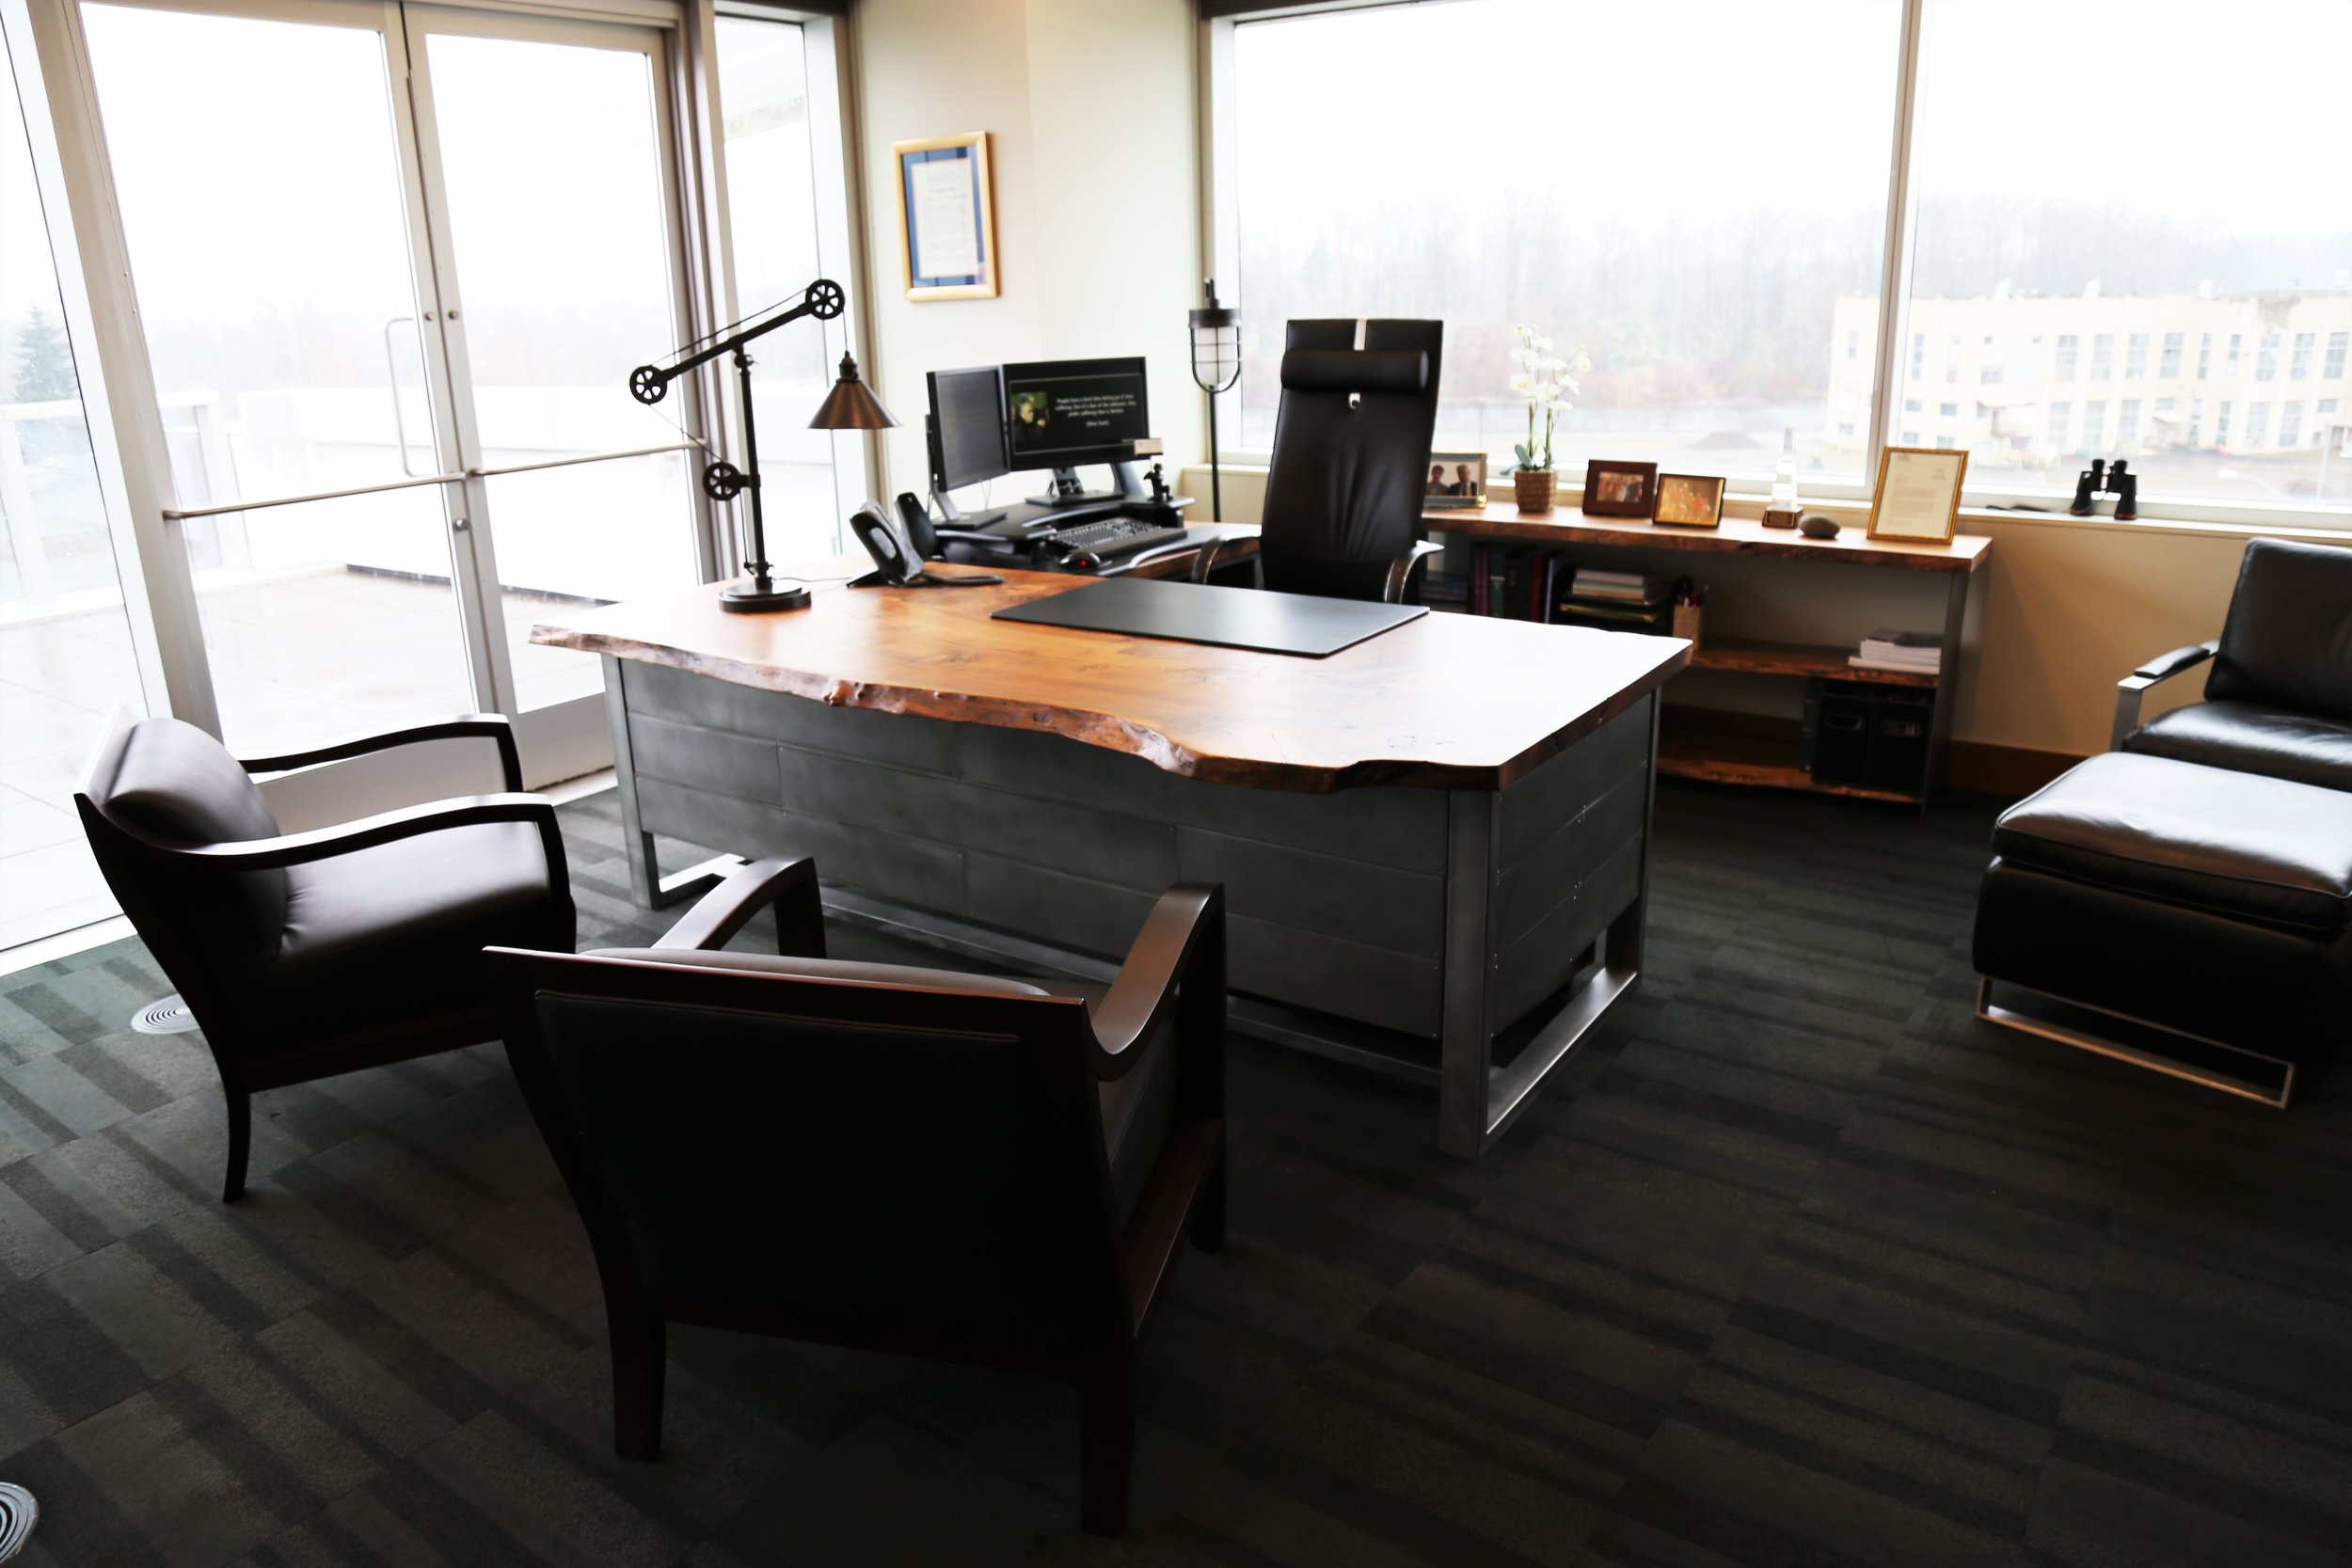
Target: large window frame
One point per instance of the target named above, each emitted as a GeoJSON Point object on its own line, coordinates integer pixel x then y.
{"type": "Point", "coordinates": [1220, 224]}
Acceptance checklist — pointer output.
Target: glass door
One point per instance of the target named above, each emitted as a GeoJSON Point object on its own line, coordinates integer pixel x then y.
{"type": "Point", "coordinates": [393, 266]}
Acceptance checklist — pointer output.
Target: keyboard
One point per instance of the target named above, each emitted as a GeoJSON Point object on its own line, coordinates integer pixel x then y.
{"type": "Point", "coordinates": [1118, 535]}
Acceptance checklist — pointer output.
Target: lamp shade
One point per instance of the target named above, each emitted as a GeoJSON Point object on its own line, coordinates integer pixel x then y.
{"type": "Point", "coordinates": [1216, 344]}
{"type": "Point", "coordinates": [850, 405]}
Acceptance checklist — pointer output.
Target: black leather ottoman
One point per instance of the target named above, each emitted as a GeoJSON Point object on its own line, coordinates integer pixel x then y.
{"type": "Point", "coordinates": [2210, 906]}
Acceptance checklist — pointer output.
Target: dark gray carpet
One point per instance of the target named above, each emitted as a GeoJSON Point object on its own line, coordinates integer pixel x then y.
{"type": "Point", "coordinates": [1800, 1265]}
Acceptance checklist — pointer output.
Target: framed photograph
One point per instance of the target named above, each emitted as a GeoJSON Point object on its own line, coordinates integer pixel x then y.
{"type": "Point", "coordinates": [1455, 479]}
{"type": "Point", "coordinates": [1690, 500]}
{"type": "Point", "coordinates": [1620, 489]}
{"type": "Point", "coordinates": [1917, 500]}
{"type": "Point", "coordinates": [946, 217]}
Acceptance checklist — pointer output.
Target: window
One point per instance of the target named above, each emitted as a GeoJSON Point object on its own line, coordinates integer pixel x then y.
{"type": "Point", "coordinates": [2196, 420]}
{"type": "Point", "coordinates": [2289, 424]}
{"type": "Point", "coordinates": [2053, 425]}
{"type": "Point", "coordinates": [1710, 338]}
{"type": "Point", "coordinates": [1946, 442]}
{"type": "Point", "coordinates": [2326, 405]}
{"type": "Point", "coordinates": [2222, 427]}
{"type": "Point", "coordinates": [1911, 438]}
{"type": "Point", "coordinates": [2127, 427]}
{"type": "Point", "coordinates": [2258, 426]}
{"type": "Point", "coordinates": [1949, 410]}
{"type": "Point", "coordinates": [1844, 428]}
{"type": "Point", "coordinates": [2337, 343]}
{"type": "Point", "coordinates": [1696, 330]}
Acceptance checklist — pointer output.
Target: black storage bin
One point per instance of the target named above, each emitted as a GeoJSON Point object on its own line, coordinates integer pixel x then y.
{"type": "Point", "coordinates": [1900, 722]}
{"type": "Point", "coordinates": [1838, 725]}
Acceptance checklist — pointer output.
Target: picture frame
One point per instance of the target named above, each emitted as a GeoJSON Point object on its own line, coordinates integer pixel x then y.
{"type": "Point", "coordinates": [1917, 498]}
{"type": "Point", "coordinates": [1690, 500]}
{"type": "Point", "coordinates": [1620, 489]}
{"type": "Point", "coordinates": [1456, 479]}
{"type": "Point", "coordinates": [946, 217]}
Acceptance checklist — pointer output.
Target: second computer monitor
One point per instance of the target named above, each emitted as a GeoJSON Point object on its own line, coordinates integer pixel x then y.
{"type": "Point", "coordinates": [1060, 413]}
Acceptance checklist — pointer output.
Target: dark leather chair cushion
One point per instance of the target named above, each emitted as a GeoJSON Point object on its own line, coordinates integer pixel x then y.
{"type": "Point", "coordinates": [2288, 638]}
{"type": "Point", "coordinates": [2252, 738]}
{"type": "Point", "coordinates": [1343, 371]}
{"type": "Point", "coordinates": [2234, 844]}
{"type": "Point", "coordinates": [410, 919]}
{"type": "Point", "coordinates": [1137, 1107]}
{"type": "Point", "coordinates": [177, 783]}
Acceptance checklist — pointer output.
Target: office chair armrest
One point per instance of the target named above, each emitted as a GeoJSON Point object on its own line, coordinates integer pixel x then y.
{"type": "Point", "coordinates": [791, 885]}
{"type": "Point", "coordinates": [1214, 549]}
{"type": "Point", "coordinates": [266, 854]}
{"type": "Point", "coordinates": [2129, 691]}
{"type": "Point", "coordinates": [1401, 569]}
{"type": "Point", "coordinates": [1175, 968]}
{"type": "Point", "coordinates": [493, 727]}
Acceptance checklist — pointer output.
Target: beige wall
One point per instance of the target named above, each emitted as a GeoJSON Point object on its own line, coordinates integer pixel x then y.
{"type": "Point", "coordinates": [2061, 610]}
{"type": "Point", "coordinates": [1089, 106]}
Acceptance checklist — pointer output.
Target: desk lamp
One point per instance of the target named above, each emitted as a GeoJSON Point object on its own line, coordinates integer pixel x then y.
{"type": "Point", "coordinates": [1216, 366]}
{"type": "Point", "coordinates": [847, 407]}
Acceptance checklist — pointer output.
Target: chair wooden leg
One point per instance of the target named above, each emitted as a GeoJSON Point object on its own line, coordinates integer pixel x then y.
{"type": "Point", "coordinates": [1107, 1436]}
{"type": "Point", "coordinates": [640, 1362]}
{"type": "Point", "coordinates": [1207, 1211]}
{"type": "Point", "coordinates": [240, 1145]}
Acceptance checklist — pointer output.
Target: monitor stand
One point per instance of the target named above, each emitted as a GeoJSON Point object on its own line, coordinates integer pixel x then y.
{"type": "Point", "coordinates": [951, 517]}
{"type": "Point", "coordinates": [1066, 490]}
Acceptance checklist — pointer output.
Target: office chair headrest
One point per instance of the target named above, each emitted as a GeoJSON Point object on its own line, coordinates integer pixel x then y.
{"type": "Point", "coordinates": [1329, 370]}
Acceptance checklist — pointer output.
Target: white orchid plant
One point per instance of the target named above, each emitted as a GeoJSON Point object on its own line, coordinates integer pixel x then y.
{"type": "Point", "coordinates": [1546, 378]}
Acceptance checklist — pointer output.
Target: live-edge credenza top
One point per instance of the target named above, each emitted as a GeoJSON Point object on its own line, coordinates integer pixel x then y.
{"type": "Point", "coordinates": [1446, 702]}
{"type": "Point", "coordinates": [1502, 522]}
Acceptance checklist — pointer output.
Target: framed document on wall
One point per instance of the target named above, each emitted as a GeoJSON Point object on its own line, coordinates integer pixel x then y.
{"type": "Point", "coordinates": [946, 217]}
{"type": "Point", "coordinates": [1918, 494]}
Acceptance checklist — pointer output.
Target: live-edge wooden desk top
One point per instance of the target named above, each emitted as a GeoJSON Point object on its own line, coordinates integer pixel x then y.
{"type": "Point", "coordinates": [1445, 702]}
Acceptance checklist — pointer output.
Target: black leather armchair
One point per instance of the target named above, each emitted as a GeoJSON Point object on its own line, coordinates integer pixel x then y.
{"type": "Point", "coordinates": [2279, 695]}
{"type": "Point", "coordinates": [1351, 458]}
{"type": "Point", "coordinates": [307, 954]}
{"type": "Point", "coordinates": [891, 1158]}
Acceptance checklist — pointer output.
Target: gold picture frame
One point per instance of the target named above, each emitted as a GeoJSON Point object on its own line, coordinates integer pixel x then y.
{"type": "Point", "coordinates": [1690, 500]}
{"type": "Point", "coordinates": [1926, 508]}
{"type": "Point", "coordinates": [946, 217]}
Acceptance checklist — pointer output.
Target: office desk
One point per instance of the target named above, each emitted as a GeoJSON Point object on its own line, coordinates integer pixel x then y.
{"type": "Point", "coordinates": [1433, 842]}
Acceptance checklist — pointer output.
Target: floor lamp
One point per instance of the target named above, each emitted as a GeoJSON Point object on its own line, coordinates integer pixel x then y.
{"type": "Point", "coordinates": [1216, 366]}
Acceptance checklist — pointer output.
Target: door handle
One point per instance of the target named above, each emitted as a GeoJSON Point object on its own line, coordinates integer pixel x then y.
{"type": "Point", "coordinates": [391, 373]}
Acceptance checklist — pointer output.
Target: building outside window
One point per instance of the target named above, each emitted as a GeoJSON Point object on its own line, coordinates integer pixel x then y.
{"type": "Point", "coordinates": [2289, 424]}
{"type": "Point", "coordinates": [2063, 368]}
{"type": "Point", "coordinates": [1919, 355]}
{"type": "Point", "coordinates": [2196, 420]}
{"type": "Point", "coordinates": [1844, 428]}
{"type": "Point", "coordinates": [2136, 356]}
{"type": "Point", "coordinates": [2127, 427]}
{"type": "Point", "coordinates": [2266, 359]}
{"type": "Point", "coordinates": [2204, 355]}
{"type": "Point", "coordinates": [1911, 438]}
{"type": "Point", "coordinates": [2300, 364]}
{"type": "Point", "coordinates": [2055, 423]}
{"type": "Point", "coordinates": [2103, 356]}
{"type": "Point", "coordinates": [2230, 365]}
{"type": "Point", "coordinates": [1911, 405]}
{"type": "Point", "coordinates": [2326, 405]}
{"type": "Point", "coordinates": [1946, 442]}
{"type": "Point", "coordinates": [2221, 426]}
{"type": "Point", "coordinates": [1951, 357]}
{"type": "Point", "coordinates": [2095, 427]}
{"type": "Point", "coordinates": [2170, 364]}
{"type": "Point", "coordinates": [1949, 410]}
{"type": "Point", "coordinates": [1853, 342]}
{"type": "Point", "coordinates": [2337, 343]}
{"type": "Point", "coordinates": [2257, 426]}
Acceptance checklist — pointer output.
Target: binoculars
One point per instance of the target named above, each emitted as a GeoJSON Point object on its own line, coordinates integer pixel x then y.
{"type": "Point", "coordinates": [2104, 478]}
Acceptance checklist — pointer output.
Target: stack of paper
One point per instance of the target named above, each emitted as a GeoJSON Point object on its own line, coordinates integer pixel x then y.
{"type": "Point", "coordinates": [1631, 587]}
{"type": "Point", "coordinates": [1919, 653]}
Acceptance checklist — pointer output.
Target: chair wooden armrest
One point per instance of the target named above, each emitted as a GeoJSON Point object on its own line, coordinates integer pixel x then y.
{"type": "Point", "coordinates": [1175, 969]}
{"type": "Point", "coordinates": [2131, 688]}
{"type": "Point", "coordinates": [263, 854]}
{"type": "Point", "coordinates": [494, 727]}
{"type": "Point", "coordinates": [791, 885]}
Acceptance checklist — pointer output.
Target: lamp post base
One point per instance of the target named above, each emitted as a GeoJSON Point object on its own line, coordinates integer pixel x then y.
{"type": "Point", "coordinates": [753, 598]}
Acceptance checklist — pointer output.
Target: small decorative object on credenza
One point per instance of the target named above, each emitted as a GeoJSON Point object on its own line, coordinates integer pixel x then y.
{"type": "Point", "coordinates": [1544, 377]}
{"type": "Point", "coordinates": [946, 217]}
{"type": "Point", "coordinates": [1620, 489]}
{"type": "Point", "coordinates": [1455, 479]}
{"type": "Point", "coordinates": [1817, 526]}
{"type": "Point", "coordinates": [2106, 479]}
{"type": "Point", "coordinates": [1917, 500]}
{"type": "Point", "coordinates": [1690, 500]}
{"type": "Point", "coordinates": [847, 407]}
{"type": "Point", "coordinates": [1690, 611]}
{"type": "Point", "coordinates": [1782, 510]}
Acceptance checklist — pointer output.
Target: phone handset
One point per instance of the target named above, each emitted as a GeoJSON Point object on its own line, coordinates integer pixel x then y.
{"type": "Point", "coordinates": [896, 563]}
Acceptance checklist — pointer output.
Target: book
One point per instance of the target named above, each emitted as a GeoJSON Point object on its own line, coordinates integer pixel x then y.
{"type": "Point", "coordinates": [1900, 667]}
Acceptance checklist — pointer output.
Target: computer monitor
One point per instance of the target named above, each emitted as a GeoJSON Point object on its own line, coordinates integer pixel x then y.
{"type": "Point", "coordinates": [967, 428]}
{"type": "Point", "coordinates": [1059, 413]}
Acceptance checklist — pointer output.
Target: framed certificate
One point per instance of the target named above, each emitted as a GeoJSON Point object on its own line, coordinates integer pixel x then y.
{"type": "Point", "coordinates": [1918, 494]}
{"type": "Point", "coordinates": [946, 217]}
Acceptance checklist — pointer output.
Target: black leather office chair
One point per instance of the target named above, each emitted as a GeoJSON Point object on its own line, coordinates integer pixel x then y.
{"type": "Point", "coordinates": [306, 954]}
{"type": "Point", "coordinates": [2278, 698]}
{"type": "Point", "coordinates": [1351, 458]}
{"type": "Point", "coordinates": [891, 1158]}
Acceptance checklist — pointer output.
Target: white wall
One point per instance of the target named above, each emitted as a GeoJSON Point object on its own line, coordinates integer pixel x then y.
{"type": "Point", "coordinates": [1089, 106]}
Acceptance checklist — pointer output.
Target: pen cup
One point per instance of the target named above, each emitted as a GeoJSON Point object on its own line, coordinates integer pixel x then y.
{"type": "Point", "coordinates": [1687, 618]}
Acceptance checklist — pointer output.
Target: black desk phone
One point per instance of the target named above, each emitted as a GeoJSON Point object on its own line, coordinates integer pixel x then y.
{"type": "Point", "coordinates": [896, 562]}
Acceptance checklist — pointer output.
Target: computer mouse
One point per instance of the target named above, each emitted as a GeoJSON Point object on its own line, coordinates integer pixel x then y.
{"type": "Point", "coordinates": [1081, 560]}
